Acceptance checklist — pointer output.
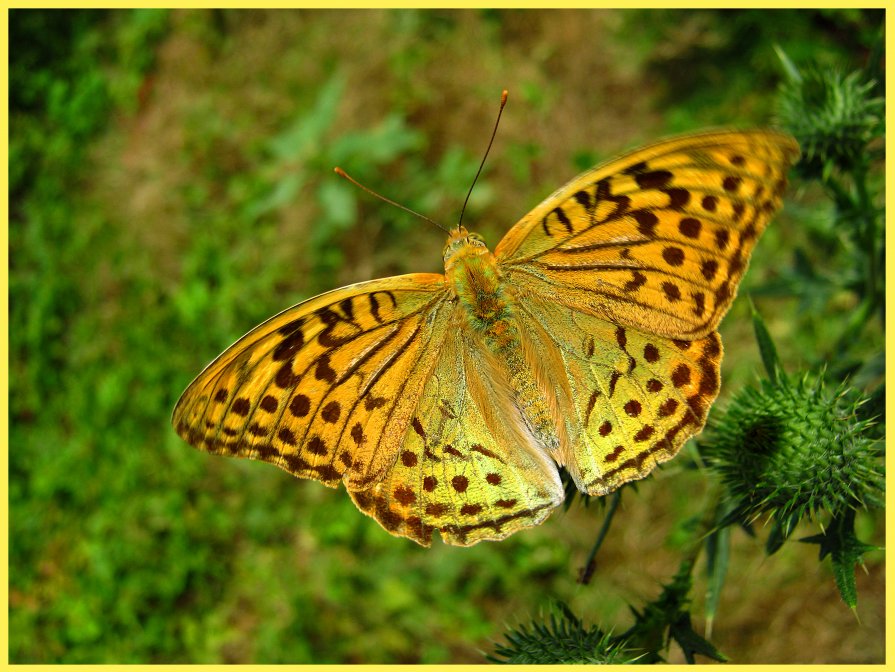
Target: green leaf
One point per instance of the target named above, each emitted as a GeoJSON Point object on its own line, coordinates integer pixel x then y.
{"type": "Point", "coordinates": [666, 618]}
{"type": "Point", "coordinates": [846, 550]}
{"type": "Point", "coordinates": [305, 133]}
{"type": "Point", "coordinates": [292, 149]}
{"type": "Point", "coordinates": [283, 191]}
{"type": "Point", "coordinates": [387, 141]}
{"type": "Point", "coordinates": [691, 643]}
{"type": "Point", "coordinates": [789, 68]}
{"type": "Point", "coordinates": [766, 347]}
{"type": "Point", "coordinates": [717, 551]}
{"type": "Point", "coordinates": [780, 531]}
{"type": "Point", "coordinates": [338, 202]}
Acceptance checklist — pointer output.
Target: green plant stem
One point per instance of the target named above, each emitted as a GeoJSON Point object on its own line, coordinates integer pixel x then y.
{"type": "Point", "coordinates": [590, 566]}
{"type": "Point", "coordinates": [854, 325]}
{"type": "Point", "coordinates": [706, 524]}
{"type": "Point", "coordinates": [869, 231]}
{"type": "Point", "coordinates": [864, 238]}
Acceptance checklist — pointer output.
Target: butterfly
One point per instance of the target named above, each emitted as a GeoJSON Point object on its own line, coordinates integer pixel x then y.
{"type": "Point", "coordinates": [586, 340]}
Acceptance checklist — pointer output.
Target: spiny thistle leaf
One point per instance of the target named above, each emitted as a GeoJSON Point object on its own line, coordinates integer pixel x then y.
{"type": "Point", "coordinates": [789, 68]}
{"type": "Point", "coordinates": [572, 493]}
{"type": "Point", "coordinates": [691, 644]}
{"type": "Point", "coordinates": [561, 640]}
{"type": "Point", "coordinates": [840, 542]}
{"type": "Point", "coordinates": [668, 618]}
{"type": "Point", "coordinates": [780, 531]}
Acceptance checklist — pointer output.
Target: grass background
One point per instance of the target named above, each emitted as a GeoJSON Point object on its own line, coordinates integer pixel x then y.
{"type": "Point", "coordinates": [171, 186]}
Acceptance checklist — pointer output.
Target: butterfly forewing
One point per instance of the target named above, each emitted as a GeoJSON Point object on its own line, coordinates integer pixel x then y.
{"type": "Point", "coordinates": [658, 239]}
{"type": "Point", "coordinates": [324, 389]}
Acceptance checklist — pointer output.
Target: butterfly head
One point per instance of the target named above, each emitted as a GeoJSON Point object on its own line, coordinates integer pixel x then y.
{"type": "Point", "coordinates": [462, 243]}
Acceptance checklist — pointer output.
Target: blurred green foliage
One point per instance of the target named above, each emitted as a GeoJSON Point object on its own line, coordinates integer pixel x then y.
{"type": "Point", "coordinates": [128, 546]}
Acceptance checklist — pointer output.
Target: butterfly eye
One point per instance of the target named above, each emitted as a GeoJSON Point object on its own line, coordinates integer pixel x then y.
{"type": "Point", "coordinates": [450, 249]}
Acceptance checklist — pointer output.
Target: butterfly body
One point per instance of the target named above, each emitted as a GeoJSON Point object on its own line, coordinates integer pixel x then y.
{"type": "Point", "coordinates": [586, 340]}
{"type": "Point", "coordinates": [486, 312]}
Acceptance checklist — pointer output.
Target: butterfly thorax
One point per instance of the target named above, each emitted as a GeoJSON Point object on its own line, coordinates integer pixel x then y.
{"type": "Point", "coordinates": [488, 312]}
{"type": "Point", "coordinates": [473, 275]}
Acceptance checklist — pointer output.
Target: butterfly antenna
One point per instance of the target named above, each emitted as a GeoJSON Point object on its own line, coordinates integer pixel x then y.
{"type": "Point", "coordinates": [342, 173]}
{"type": "Point", "coordinates": [503, 102]}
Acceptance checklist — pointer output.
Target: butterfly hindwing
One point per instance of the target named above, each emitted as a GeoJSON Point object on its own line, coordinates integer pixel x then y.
{"type": "Point", "coordinates": [635, 397]}
{"type": "Point", "coordinates": [466, 467]}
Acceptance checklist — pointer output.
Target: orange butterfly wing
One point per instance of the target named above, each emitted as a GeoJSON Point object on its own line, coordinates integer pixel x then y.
{"type": "Point", "coordinates": [657, 239]}
{"type": "Point", "coordinates": [374, 385]}
{"type": "Point", "coordinates": [627, 271]}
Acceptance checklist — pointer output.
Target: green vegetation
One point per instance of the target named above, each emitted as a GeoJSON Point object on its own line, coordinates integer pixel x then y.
{"type": "Point", "coordinates": [171, 186]}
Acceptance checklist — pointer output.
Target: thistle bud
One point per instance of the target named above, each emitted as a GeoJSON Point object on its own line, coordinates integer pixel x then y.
{"type": "Point", "coordinates": [790, 450]}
